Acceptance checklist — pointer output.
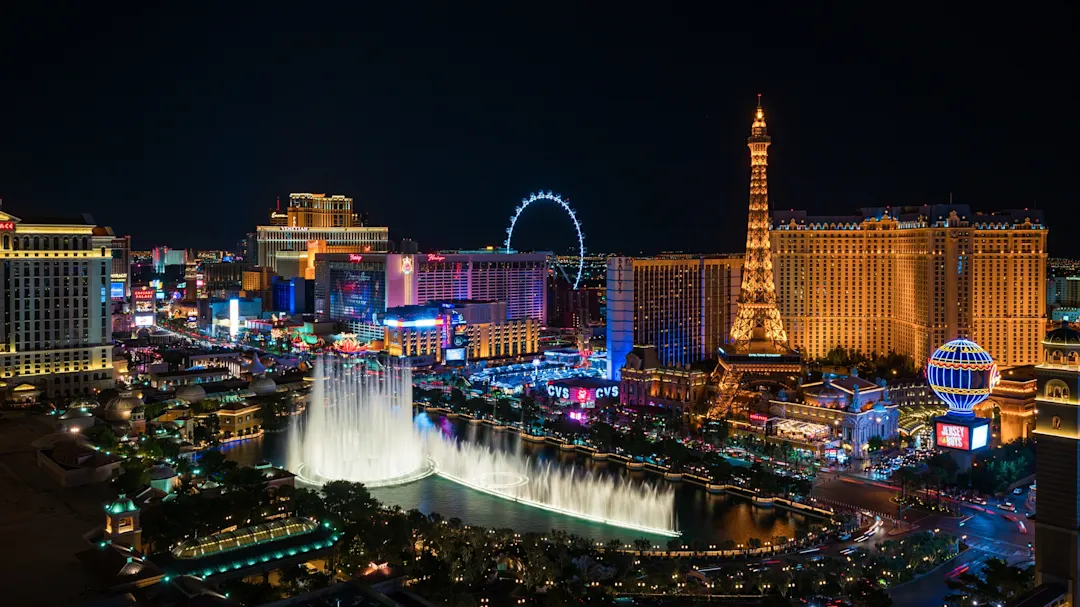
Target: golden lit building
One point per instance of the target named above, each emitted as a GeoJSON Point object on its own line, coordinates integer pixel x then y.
{"type": "Point", "coordinates": [1057, 528]}
{"type": "Point", "coordinates": [910, 279]}
{"type": "Point", "coordinates": [481, 329]}
{"type": "Point", "coordinates": [56, 332]}
{"type": "Point", "coordinates": [320, 211]}
{"type": "Point", "coordinates": [503, 339]}
{"type": "Point", "coordinates": [1012, 404]}
{"type": "Point", "coordinates": [328, 220]}
{"type": "Point", "coordinates": [644, 383]}
{"type": "Point", "coordinates": [682, 304]}
{"type": "Point", "coordinates": [238, 420]}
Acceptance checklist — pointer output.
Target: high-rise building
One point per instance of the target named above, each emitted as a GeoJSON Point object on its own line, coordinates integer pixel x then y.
{"type": "Point", "coordinates": [1063, 291]}
{"type": "Point", "coordinates": [320, 211]}
{"type": "Point", "coordinates": [54, 305]}
{"type": "Point", "coordinates": [908, 280]}
{"type": "Point", "coordinates": [1057, 431]}
{"type": "Point", "coordinates": [458, 331]}
{"type": "Point", "coordinates": [157, 254]}
{"type": "Point", "coordinates": [682, 304]}
{"type": "Point", "coordinates": [225, 279]}
{"type": "Point", "coordinates": [119, 279]}
{"type": "Point", "coordinates": [279, 217]}
{"type": "Point", "coordinates": [327, 221]}
{"type": "Point", "coordinates": [356, 289]}
{"type": "Point", "coordinates": [120, 270]}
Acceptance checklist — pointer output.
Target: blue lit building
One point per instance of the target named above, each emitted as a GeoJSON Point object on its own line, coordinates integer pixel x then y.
{"type": "Point", "coordinates": [293, 295]}
{"type": "Point", "coordinates": [682, 304]}
{"type": "Point", "coordinates": [356, 290]}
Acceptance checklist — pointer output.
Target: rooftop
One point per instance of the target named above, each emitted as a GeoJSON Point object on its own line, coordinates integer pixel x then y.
{"type": "Point", "coordinates": [910, 217]}
{"type": "Point", "coordinates": [248, 547]}
{"type": "Point", "coordinates": [193, 371]}
{"type": "Point", "coordinates": [237, 406]}
{"type": "Point", "coordinates": [67, 220]}
{"type": "Point", "coordinates": [1019, 374]}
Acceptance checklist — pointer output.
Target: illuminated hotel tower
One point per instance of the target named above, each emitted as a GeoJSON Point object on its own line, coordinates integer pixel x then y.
{"type": "Point", "coordinates": [1057, 430]}
{"type": "Point", "coordinates": [757, 318]}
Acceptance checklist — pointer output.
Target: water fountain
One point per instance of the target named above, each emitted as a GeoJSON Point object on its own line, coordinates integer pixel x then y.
{"type": "Point", "coordinates": [567, 490]}
{"type": "Point", "coordinates": [359, 427]}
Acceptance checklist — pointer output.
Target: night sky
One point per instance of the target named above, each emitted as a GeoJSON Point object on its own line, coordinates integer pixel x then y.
{"type": "Point", "coordinates": [182, 128]}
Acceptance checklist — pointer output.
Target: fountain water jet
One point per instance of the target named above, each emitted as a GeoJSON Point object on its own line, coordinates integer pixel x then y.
{"type": "Point", "coordinates": [567, 490]}
{"type": "Point", "coordinates": [359, 427]}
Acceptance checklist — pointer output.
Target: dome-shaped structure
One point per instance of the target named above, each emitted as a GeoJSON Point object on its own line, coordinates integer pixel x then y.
{"type": "Point", "coordinates": [121, 504]}
{"type": "Point", "coordinates": [191, 393]}
{"type": "Point", "coordinates": [962, 374]}
{"type": "Point", "coordinates": [162, 472]}
{"type": "Point", "coordinates": [120, 407]}
{"type": "Point", "coordinates": [84, 402]}
{"type": "Point", "coordinates": [255, 367]}
{"type": "Point", "coordinates": [50, 441]}
{"type": "Point", "coordinates": [262, 385]}
{"type": "Point", "coordinates": [143, 332]}
{"type": "Point", "coordinates": [1064, 335]}
{"type": "Point", "coordinates": [75, 413]}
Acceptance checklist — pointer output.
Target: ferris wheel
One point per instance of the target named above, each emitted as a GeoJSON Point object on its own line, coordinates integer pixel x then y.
{"type": "Point", "coordinates": [565, 204]}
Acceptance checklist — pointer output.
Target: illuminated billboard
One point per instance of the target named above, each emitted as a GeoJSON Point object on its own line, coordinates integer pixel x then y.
{"type": "Point", "coordinates": [455, 354]}
{"type": "Point", "coordinates": [234, 317]}
{"type": "Point", "coordinates": [583, 396]}
{"type": "Point", "coordinates": [953, 436]}
{"type": "Point", "coordinates": [961, 434]}
{"type": "Point", "coordinates": [758, 418]}
{"type": "Point", "coordinates": [116, 290]}
{"type": "Point", "coordinates": [358, 295]}
{"type": "Point", "coordinates": [142, 320]}
{"type": "Point", "coordinates": [979, 437]}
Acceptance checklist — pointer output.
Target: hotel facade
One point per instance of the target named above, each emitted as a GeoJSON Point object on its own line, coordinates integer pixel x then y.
{"type": "Point", "coordinates": [356, 290]}
{"type": "Point", "coordinates": [910, 279]}
{"type": "Point", "coordinates": [319, 223]}
{"type": "Point", "coordinates": [55, 317]}
{"type": "Point", "coordinates": [682, 304]}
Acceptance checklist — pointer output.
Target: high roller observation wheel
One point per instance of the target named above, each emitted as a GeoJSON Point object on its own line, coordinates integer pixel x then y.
{"type": "Point", "coordinates": [565, 204]}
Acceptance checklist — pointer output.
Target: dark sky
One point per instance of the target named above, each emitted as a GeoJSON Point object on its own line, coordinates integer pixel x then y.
{"type": "Point", "coordinates": [181, 128]}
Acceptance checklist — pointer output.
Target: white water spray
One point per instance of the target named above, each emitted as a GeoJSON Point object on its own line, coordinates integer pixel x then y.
{"type": "Point", "coordinates": [359, 427]}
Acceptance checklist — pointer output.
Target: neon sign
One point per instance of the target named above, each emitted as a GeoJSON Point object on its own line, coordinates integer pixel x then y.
{"type": "Point", "coordinates": [406, 265]}
{"type": "Point", "coordinates": [143, 294]}
{"type": "Point", "coordinates": [558, 391]}
{"type": "Point", "coordinates": [953, 436]}
{"type": "Point", "coordinates": [758, 418]}
{"type": "Point", "coordinates": [582, 396]}
{"type": "Point", "coordinates": [607, 392]}
{"type": "Point", "coordinates": [7, 226]}
{"type": "Point", "coordinates": [420, 322]}
{"type": "Point", "coordinates": [356, 257]}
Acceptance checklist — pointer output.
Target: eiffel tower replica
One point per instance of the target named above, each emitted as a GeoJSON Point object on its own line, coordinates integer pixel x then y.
{"type": "Point", "coordinates": [757, 346]}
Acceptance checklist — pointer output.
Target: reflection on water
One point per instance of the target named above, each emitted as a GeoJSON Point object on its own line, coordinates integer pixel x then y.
{"type": "Point", "coordinates": [711, 518]}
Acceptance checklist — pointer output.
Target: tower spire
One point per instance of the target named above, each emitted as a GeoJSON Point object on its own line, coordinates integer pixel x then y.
{"type": "Point", "coordinates": [758, 318]}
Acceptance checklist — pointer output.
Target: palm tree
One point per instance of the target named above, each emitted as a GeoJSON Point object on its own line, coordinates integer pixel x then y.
{"type": "Point", "coordinates": [997, 583]}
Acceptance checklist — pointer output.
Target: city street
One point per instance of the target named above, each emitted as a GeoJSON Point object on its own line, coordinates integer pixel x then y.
{"type": "Point", "coordinates": [988, 531]}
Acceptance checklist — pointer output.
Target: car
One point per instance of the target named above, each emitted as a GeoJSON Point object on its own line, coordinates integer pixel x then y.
{"type": "Point", "coordinates": [1018, 491]}
{"type": "Point", "coordinates": [1007, 506]}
